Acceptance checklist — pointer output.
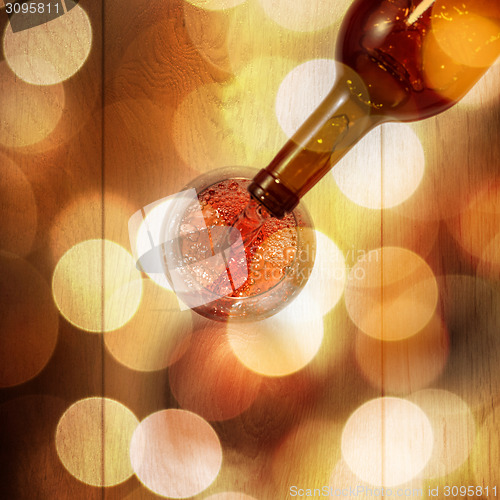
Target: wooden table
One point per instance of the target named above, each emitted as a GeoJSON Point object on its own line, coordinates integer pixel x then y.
{"type": "Point", "coordinates": [170, 91]}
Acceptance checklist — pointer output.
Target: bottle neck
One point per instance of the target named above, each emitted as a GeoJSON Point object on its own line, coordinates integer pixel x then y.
{"type": "Point", "coordinates": [340, 121]}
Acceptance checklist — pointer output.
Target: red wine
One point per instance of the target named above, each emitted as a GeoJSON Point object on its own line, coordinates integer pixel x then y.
{"type": "Point", "coordinates": [392, 64]}
{"type": "Point", "coordinates": [250, 221]}
{"type": "Point", "coordinates": [270, 244]}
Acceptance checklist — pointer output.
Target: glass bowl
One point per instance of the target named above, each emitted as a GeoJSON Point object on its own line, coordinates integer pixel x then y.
{"type": "Point", "coordinates": [266, 289]}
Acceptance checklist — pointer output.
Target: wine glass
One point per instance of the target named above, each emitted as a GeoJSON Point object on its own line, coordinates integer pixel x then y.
{"type": "Point", "coordinates": [211, 270]}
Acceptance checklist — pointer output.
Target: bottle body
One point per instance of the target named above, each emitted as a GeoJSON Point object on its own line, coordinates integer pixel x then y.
{"type": "Point", "coordinates": [401, 60]}
{"type": "Point", "coordinates": [340, 121]}
{"type": "Point", "coordinates": [418, 57]}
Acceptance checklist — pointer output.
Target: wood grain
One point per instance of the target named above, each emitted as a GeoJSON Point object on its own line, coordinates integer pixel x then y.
{"type": "Point", "coordinates": [122, 143]}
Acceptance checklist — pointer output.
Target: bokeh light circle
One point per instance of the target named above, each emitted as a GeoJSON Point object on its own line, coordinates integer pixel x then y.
{"type": "Point", "coordinates": [82, 219]}
{"type": "Point", "coordinates": [282, 344]}
{"type": "Point", "coordinates": [210, 380]}
{"type": "Point", "coordinates": [302, 91]}
{"type": "Point", "coordinates": [356, 229]}
{"type": "Point", "coordinates": [214, 124]}
{"type": "Point", "coordinates": [379, 172]}
{"type": "Point", "coordinates": [480, 21]}
{"type": "Point", "coordinates": [29, 321]}
{"type": "Point", "coordinates": [406, 365]}
{"type": "Point", "coordinates": [50, 52]}
{"type": "Point", "coordinates": [175, 453]}
{"type": "Point", "coordinates": [199, 132]}
{"type": "Point", "coordinates": [93, 441]}
{"type": "Point", "coordinates": [156, 336]}
{"type": "Point", "coordinates": [29, 112]}
{"type": "Point", "coordinates": [297, 15]}
{"type": "Point", "coordinates": [391, 293]}
{"type": "Point", "coordinates": [28, 450]}
{"type": "Point", "coordinates": [387, 441]}
{"type": "Point", "coordinates": [208, 31]}
{"type": "Point", "coordinates": [327, 279]}
{"type": "Point", "coordinates": [245, 108]}
{"type": "Point", "coordinates": [230, 42]}
{"type": "Point", "coordinates": [484, 93]}
{"type": "Point", "coordinates": [454, 430]}
{"type": "Point", "coordinates": [489, 265]}
{"type": "Point", "coordinates": [477, 227]}
{"type": "Point", "coordinates": [18, 210]}
{"type": "Point", "coordinates": [96, 285]}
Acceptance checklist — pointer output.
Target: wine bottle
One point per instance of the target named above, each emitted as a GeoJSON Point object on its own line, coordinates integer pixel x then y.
{"type": "Point", "coordinates": [401, 60]}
